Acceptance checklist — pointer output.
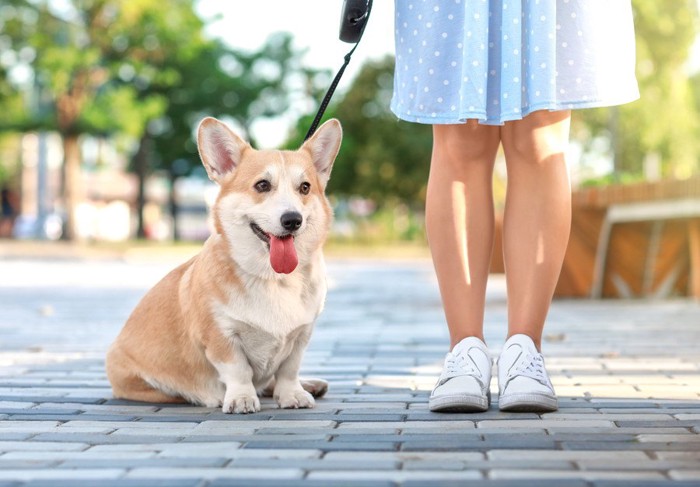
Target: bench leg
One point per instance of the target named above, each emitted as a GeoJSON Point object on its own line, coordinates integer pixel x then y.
{"type": "Point", "coordinates": [694, 250]}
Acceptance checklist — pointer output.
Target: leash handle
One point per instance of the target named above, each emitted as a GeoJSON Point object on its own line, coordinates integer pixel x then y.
{"type": "Point", "coordinates": [343, 35]}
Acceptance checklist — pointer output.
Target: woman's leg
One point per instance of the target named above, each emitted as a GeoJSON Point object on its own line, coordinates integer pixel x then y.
{"type": "Point", "coordinates": [537, 217]}
{"type": "Point", "coordinates": [460, 221]}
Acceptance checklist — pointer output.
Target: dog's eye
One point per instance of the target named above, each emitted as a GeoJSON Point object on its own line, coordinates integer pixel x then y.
{"type": "Point", "coordinates": [263, 186]}
{"type": "Point", "coordinates": [305, 188]}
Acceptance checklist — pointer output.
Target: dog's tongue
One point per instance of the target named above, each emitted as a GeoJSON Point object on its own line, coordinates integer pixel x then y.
{"type": "Point", "coordinates": [283, 255]}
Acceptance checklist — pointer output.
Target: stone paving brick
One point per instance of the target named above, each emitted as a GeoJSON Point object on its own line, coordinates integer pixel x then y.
{"type": "Point", "coordinates": [95, 475]}
{"type": "Point", "coordinates": [670, 438]}
{"type": "Point", "coordinates": [545, 423]}
{"type": "Point", "coordinates": [298, 483]}
{"type": "Point", "coordinates": [649, 424]}
{"type": "Point", "coordinates": [611, 416]}
{"type": "Point", "coordinates": [500, 483]}
{"type": "Point", "coordinates": [584, 437]}
{"type": "Point", "coordinates": [69, 416]}
{"type": "Point", "coordinates": [643, 483]}
{"type": "Point", "coordinates": [232, 450]}
{"type": "Point", "coordinates": [364, 418]}
{"type": "Point", "coordinates": [96, 439]}
{"type": "Point", "coordinates": [15, 436]}
{"type": "Point", "coordinates": [6, 446]}
{"type": "Point", "coordinates": [132, 462]}
{"type": "Point", "coordinates": [523, 475]}
{"type": "Point", "coordinates": [327, 445]}
{"type": "Point", "coordinates": [570, 455]}
{"type": "Point", "coordinates": [155, 448]}
{"type": "Point", "coordinates": [316, 464]}
{"type": "Point", "coordinates": [214, 473]}
{"type": "Point", "coordinates": [36, 413]}
{"type": "Point", "coordinates": [648, 446]}
{"type": "Point", "coordinates": [26, 464]}
{"type": "Point", "coordinates": [689, 416]}
{"type": "Point", "coordinates": [621, 430]}
{"type": "Point", "coordinates": [121, 482]}
{"type": "Point", "coordinates": [395, 476]}
{"type": "Point", "coordinates": [406, 456]}
{"type": "Point", "coordinates": [69, 455]}
{"type": "Point", "coordinates": [413, 425]}
{"type": "Point", "coordinates": [689, 474]}
{"type": "Point", "coordinates": [688, 456]}
{"type": "Point", "coordinates": [617, 464]}
{"type": "Point", "coordinates": [629, 395]}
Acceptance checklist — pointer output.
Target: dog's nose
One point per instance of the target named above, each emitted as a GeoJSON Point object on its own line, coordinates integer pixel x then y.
{"type": "Point", "coordinates": [291, 220]}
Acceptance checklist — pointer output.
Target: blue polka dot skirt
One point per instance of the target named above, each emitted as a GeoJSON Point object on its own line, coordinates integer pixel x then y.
{"type": "Point", "coordinates": [499, 60]}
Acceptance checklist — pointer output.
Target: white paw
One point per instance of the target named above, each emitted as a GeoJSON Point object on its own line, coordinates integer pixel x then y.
{"type": "Point", "coordinates": [296, 399]}
{"type": "Point", "coordinates": [241, 405]}
{"type": "Point", "coordinates": [212, 403]}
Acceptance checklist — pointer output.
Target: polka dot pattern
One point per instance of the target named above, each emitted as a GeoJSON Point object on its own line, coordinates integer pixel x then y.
{"type": "Point", "coordinates": [498, 60]}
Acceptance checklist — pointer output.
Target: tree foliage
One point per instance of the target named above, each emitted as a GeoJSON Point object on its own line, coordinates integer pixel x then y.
{"type": "Point", "coordinates": [242, 87]}
{"type": "Point", "coordinates": [666, 120]}
{"type": "Point", "coordinates": [79, 51]}
{"type": "Point", "coordinates": [140, 68]}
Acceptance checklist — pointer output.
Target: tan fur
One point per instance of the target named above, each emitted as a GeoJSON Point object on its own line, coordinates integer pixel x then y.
{"type": "Point", "coordinates": [194, 337]}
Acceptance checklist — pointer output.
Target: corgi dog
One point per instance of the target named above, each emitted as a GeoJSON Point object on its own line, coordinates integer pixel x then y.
{"type": "Point", "coordinates": [233, 321]}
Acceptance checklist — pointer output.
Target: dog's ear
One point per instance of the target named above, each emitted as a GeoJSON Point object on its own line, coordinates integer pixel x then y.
{"type": "Point", "coordinates": [219, 148]}
{"type": "Point", "coordinates": [324, 146]}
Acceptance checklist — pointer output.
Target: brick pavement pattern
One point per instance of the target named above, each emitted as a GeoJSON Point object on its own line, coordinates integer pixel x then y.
{"type": "Point", "coordinates": [627, 374]}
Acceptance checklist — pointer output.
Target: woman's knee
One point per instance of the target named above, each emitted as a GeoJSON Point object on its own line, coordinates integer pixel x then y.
{"type": "Point", "coordinates": [537, 137]}
{"type": "Point", "coordinates": [466, 143]}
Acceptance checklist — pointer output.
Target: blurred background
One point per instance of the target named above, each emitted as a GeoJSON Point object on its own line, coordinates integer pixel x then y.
{"type": "Point", "coordinates": [99, 100]}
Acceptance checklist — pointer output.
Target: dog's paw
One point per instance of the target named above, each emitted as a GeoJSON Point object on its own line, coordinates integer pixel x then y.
{"type": "Point", "coordinates": [241, 405]}
{"type": "Point", "coordinates": [296, 399]}
{"type": "Point", "coordinates": [211, 403]}
{"type": "Point", "coordinates": [316, 387]}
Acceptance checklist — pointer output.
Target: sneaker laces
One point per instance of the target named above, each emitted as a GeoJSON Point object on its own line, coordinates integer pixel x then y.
{"type": "Point", "coordinates": [457, 365]}
{"type": "Point", "coordinates": [531, 366]}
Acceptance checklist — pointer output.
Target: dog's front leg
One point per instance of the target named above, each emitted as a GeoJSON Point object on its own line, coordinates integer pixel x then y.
{"type": "Point", "coordinates": [237, 375]}
{"type": "Point", "coordinates": [288, 390]}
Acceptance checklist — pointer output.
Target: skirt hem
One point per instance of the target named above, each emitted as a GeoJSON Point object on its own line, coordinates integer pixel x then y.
{"type": "Point", "coordinates": [480, 115]}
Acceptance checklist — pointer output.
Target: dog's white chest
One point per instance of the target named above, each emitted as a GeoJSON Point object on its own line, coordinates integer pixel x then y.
{"type": "Point", "coordinates": [276, 307]}
{"type": "Point", "coordinates": [268, 320]}
{"type": "Point", "coordinates": [264, 352]}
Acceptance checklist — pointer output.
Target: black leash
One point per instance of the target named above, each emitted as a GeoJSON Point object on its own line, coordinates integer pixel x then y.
{"type": "Point", "coordinates": [352, 26]}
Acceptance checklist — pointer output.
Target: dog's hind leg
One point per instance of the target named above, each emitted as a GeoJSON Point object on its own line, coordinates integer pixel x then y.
{"type": "Point", "coordinates": [146, 393]}
{"type": "Point", "coordinates": [315, 387]}
{"type": "Point", "coordinates": [128, 385]}
{"type": "Point", "coordinates": [134, 388]}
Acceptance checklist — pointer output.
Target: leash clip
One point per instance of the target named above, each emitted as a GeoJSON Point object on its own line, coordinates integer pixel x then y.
{"type": "Point", "coordinates": [353, 20]}
{"type": "Point", "coordinates": [352, 25]}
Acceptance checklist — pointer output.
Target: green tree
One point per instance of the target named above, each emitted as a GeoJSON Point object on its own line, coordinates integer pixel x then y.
{"type": "Point", "coordinates": [664, 123]}
{"type": "Point", "coordinates": [144, 68]}
{"type": "Point", "coordinates": [240, 86]}
{"type": "Point", "coordinates": [80, 49]}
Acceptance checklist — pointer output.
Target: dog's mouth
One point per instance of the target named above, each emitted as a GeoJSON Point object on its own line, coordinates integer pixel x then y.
{"type": "Point", "coordinates": [262, 235]}
{"type": "Point", "coordinates": [283, 254]}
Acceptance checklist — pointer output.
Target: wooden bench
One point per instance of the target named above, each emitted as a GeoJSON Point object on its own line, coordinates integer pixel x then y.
{"type": "Point", "coordinates": [640, 240]}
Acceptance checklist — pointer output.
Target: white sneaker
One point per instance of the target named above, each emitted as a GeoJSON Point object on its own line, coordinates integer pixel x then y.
{"type": "Point", "coordinates": [523, 382]}
{"type": "Point", "coordinates": [464, 382]}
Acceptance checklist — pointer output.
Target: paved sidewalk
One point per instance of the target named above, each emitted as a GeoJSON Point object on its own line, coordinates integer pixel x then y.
{"type": "Point", "coordinates": [627, 373]}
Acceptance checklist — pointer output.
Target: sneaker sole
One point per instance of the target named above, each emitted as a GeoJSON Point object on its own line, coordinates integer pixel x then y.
{"type": "Point", "coordinates": [530, 403]}
{"type": "Point", "coordinates": [459, 403]}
